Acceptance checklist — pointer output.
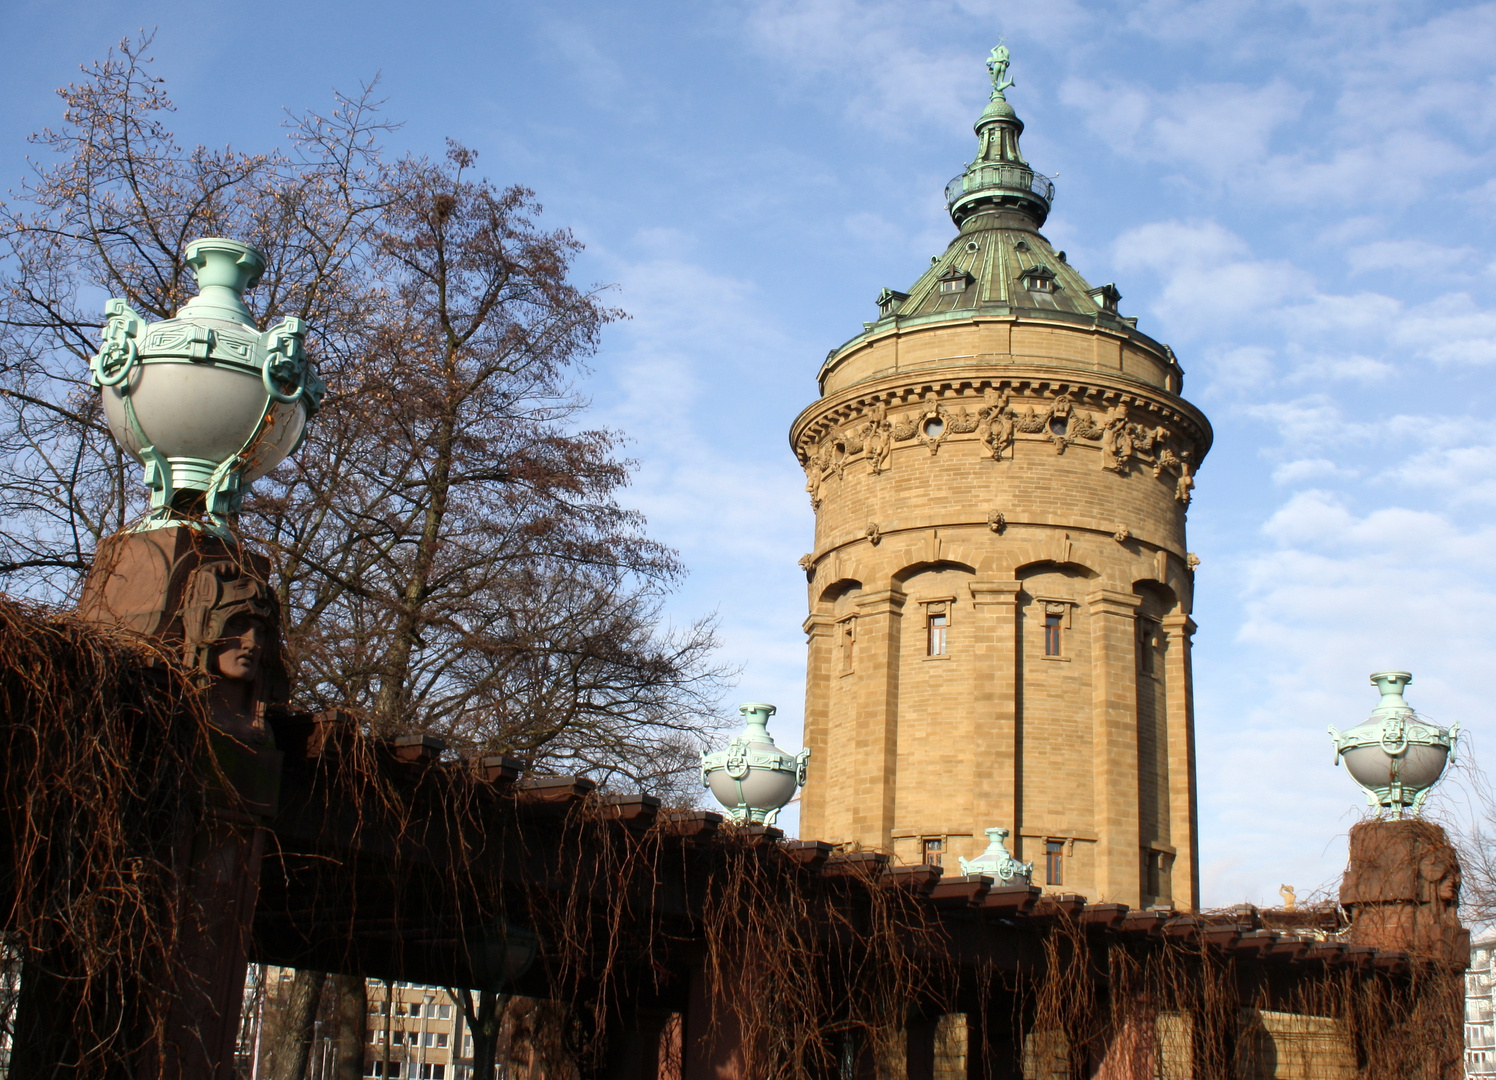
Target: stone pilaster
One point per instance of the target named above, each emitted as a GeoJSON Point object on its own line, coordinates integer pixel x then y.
{"type": "Point", "coordinates": [820, 665]}
{"type": "Point", "coordinates": [1183, 799]}
{"type": "Point", "coordinates": [994, 703]}
{"type": "Point", "coordinates": [1114, 745]}
{"type": "Point", "coordinates": [875, 737]}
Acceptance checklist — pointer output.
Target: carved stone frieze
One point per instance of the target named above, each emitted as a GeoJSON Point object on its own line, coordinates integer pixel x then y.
{"type": "Point", "coordinates": [1053, 413]}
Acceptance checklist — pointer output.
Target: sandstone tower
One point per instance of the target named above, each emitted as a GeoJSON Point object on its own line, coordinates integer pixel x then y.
{"type": "Point", "coordinates": [1000, 591]}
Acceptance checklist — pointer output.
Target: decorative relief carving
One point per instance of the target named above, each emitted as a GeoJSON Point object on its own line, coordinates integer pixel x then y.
{"type": "Point", "coordinates": [996, 426]}
{"type": "Point", "coordinates": [1179, 464]}
{"type": "Point", "coordinates": [873, 533]}
{"type": "Point", "coordinates": [877, 439]}
{"type": "Point", "coordinates": [1117, 443]}
{"type": "Point", "coordinates": [1191, 560]}
{"type": "Point", "coordinates": [963, 422]}
{"type": "Point", "coordinates": [932, 427]}
{"type": "Point", "coordinates": [807, 562]}
{"type": "Point", "coordinates": [1124, 444]}
{"type": "Point", "coordinates": [996, 521]}
{"type": "Point", "coordinates": [1123, 534]}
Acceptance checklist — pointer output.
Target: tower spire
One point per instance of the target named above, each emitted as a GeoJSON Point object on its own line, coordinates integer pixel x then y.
{"type": "Point", "coordinates": [999, 177]}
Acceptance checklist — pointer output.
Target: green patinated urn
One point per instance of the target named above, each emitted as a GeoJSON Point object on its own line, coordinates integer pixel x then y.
{"type": "Point", "coordinates": [1396, 756]}
{"type": "Point", "coordinates": [752, 777]}
{"type": "Point", "coordinates": [205, 401]}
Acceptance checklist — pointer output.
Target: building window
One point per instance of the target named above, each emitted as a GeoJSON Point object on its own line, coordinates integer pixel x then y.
{"type": "Point", "coordinates": [938, 622]}
{"type": "Point", "coordinates": [444, 1012]}
{"type": "Point", "coordinates": [934, 847]}
{"type": "Point", "coordinates": [1052, 622]}
{"type": "Point", "coordinates": [441, 1039]}
{"type": "Point", "coordinates": [1054, 862]}
{"type": "Point", "coordinates": [955, 281]}
{"type": "Point", "coordinates": [1040, 279]}
{"type": "Point", "coordinates": [1147, 628]}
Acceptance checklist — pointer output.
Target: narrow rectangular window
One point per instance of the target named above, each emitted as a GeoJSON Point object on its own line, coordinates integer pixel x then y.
{"type": "Point", "coordinates": [1052, 634]}
{"type": "Point", "coordinates": [1054, 862]}
{"type": "Point", "coordinates": [1145, 646]}
{"type": "Point", "coordinates": [934, 847]}
{"type": "Point", "coordinates": [938, 623]}
{"type": "Point", "coordinates": [848, 644]}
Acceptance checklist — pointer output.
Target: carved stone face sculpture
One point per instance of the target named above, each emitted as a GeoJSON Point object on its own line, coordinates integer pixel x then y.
{"type": "Point", "coordinates": [230, 625]}
{"type": "Point", "coordinates": [237, 654]}
{"type": "Point", "coordinates": [1440, 871]}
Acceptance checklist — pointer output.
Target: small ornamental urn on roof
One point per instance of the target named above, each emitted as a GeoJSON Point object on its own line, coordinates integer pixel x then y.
{"type": "Point", "coordinates": [206, 401]}
{"type": "Point", "coordinates": [751, 777]}
{"type": "Point", "coordinates": [997, 862]}
{"type": "Point", "coordinates": [1396, 756]}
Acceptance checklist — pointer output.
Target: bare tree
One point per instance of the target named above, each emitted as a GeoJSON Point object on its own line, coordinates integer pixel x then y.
{"type": "Point", "coordinates": [452, 554]}
{"type": "Point", "coordinates": [111, 215]}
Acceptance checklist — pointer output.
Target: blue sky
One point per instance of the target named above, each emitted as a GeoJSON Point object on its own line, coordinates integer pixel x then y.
{"type": "Point", "coordinates": [1298, 196]}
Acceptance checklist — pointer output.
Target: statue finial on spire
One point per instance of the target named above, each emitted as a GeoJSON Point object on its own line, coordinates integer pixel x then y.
{"type": "Point", "coordinates": [997, 64]}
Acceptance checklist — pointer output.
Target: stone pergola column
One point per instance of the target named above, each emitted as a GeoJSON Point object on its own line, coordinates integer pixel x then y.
{"type": "Point", "coordinates": [1179, 694]}
{"type": "Point", "coordinates": [1114, 744]}
{"type": "Point", "coordinates": [994, 706]}
{"type": "Point", "coordinates": [872, 783]}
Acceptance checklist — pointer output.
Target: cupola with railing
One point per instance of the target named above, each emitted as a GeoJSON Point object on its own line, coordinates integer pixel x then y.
{"type": "Point", "coordinates": [999, 177]}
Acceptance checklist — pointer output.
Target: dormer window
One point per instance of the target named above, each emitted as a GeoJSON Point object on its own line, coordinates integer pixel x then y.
{"type": "Point", "coordinates": [889, 302]}
{"type": "Point", "coordinates": [1106, 297]}
{"type": "Point", "coordinates": [955, 281]}
{"type": "Point", "coordinates": [1039, 279]}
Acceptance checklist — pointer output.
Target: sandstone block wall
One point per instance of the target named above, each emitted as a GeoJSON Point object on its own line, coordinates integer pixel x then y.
{"type": "Point", "coordinates": [998, 492]}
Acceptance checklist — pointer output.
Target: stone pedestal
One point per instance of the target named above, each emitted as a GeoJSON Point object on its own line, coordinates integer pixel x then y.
{"type": "Point", "coordinates": [176, 587]}
{"type": "Point", "coordinates": [1402, 890]}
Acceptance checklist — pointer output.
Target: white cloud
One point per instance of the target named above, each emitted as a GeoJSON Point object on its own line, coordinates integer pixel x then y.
{"type": "Point", "coordinates": [896, 65]}
{"type": "Point", "coordinates": [1463, 474]}
{"type": "Point", "coordinates": [1406, 255]}
{"type": "Point", "coordinates": [1353, 367]}
{"type": "Point", "coordinates": [1207, 273]}
{"type": "Point", "coordinates": [1302, 469]}
{"type": "Point", "coordinates": [1450, 329]}
{"type": "Point", "coordinates": [1242, 369]}
{"type": "Point", "coordinates": [1219, 129]}
{"type": "Point", "coordinates": [1336, 593]}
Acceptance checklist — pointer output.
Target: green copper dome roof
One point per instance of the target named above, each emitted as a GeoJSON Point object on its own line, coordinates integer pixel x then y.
{"type": "Point", "coordinates": [999, 261]}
